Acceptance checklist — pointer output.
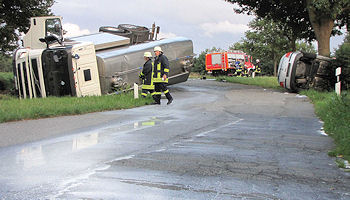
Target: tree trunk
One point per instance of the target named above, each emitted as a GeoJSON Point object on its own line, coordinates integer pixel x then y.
{"type": "Point", "coordinates": [292, 44]}
{"type": "Point", "coordinates": [275, 64]}
{"type": "Point", "coordinates": [322, 26]}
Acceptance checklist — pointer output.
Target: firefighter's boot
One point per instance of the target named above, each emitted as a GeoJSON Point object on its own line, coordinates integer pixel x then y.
{"type": "Point", "coordinates": [156, 99]}
{"type": "Point", "coordinates": [168, 96]}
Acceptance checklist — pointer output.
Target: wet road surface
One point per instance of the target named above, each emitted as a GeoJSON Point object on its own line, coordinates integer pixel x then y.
{"type": "Point", "coordinates": [216, 141]}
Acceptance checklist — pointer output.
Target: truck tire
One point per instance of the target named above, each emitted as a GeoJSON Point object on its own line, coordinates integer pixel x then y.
{"type": "Point", "coordinates": [309, 55]}
{"type": "Point", "coordinates": [139, 33]}
{"type": "Point", "coordinates": [115, 30]}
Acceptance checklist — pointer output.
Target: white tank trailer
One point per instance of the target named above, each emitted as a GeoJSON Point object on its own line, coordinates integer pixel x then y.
{"type": "Point", "coordinates": [100, 63]}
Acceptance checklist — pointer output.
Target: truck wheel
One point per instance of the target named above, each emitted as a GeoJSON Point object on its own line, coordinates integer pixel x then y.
{"type": "Point", "coordinates": [309, 55]}
{"type": "Point", "coordinates": [139, 33]}
{"type": "Point", "coordinates": [131, 27]}
{"type": "Point", "coordinates": [111, 29]}
{"type": "Point", "coordinates": [116, 31]}
{"type": "Point", "coordinates": [250, 73]}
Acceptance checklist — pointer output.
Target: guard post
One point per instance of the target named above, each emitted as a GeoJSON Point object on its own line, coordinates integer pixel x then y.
{"type": "Point", "coordinates": [136, 91]}
{"type": "Point", "coordinates": [338, 84]}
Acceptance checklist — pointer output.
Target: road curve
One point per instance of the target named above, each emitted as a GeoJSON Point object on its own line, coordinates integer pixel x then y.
{"type": "Point", "coordinates": [216, 141]}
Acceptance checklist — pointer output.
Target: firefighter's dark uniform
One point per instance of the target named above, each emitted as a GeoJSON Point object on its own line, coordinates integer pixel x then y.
{"type": "Point", "coordinates": [161, 67]}
{"type": "Point", "coordinates": [146, 76]}
{"type": "Point", "coordinates": [258, 68]}
{"type": "Point", "coordinates": [238, 68]}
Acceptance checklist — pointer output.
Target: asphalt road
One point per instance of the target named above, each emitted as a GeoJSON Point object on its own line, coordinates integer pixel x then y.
{"type": "Point", "coordinates": [216, 141]}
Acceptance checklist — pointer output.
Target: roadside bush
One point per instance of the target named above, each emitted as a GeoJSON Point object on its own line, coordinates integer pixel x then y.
{"type": "Point", "coordinates": [6, 82]}
{"type": "Point", "coordinates": [5, 63]}
{"type": "Point", "coordinates": [343, 61]}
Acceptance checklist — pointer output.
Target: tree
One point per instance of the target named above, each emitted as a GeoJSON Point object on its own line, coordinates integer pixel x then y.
{"type": "Point", "coordinates": [5, 63]}
{"type": "Point", "coordinates": [308, 19]}
{"type": "Point", "coordinates": [268, 41]}
{"type": "Point", "coordinates": [15, 18]}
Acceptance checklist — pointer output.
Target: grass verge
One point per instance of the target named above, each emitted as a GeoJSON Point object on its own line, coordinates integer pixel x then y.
{"type": "Point", "coordinates": [263, 81]}
{"type": "Point", "coordinates": [196, 75]}
{"type": "Point", "coordinates": [334, 111]}
{"type": "Point", "coordinates": [12, 109]}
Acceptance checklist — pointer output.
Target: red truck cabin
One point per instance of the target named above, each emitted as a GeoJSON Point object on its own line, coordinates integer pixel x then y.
{"type": "Point", "coordinates": [214, 61]}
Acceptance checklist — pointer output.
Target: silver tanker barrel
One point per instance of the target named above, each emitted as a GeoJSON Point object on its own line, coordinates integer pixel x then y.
{"type": "Point", "coordinates": [119, 67]}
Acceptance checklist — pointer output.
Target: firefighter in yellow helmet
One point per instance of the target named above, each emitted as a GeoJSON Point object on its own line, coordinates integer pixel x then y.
{"type": "Point", "coordinates": [160, 76]}
{"type": "Point", "coordinates": [146, 75]}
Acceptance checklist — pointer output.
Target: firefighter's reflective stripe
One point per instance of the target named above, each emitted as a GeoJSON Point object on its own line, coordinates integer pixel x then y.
{"type": "Point", "coordinates": [148, 87]}
{"type": "Point", "coordinates": [161, 68]}
{"type": "Point", "coordinates": [157, 93]}
{"type": "Point", "coordinates": [147, 82]}
{"type": "Point", "coordinates": [166, 91]}
{"type": "Point", "coordinates": [159, 78]}
{"type": "Point", "coordinates": [144, 94]}
{"type": "Point", "coordinates": [153, 93]}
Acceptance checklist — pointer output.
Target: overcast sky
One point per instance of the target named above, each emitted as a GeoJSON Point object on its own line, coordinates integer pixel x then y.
{"type": "Point", "coordinates": [207, 22]}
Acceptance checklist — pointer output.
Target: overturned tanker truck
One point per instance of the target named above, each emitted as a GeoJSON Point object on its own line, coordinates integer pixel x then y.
{"type": "Point", "coordinates": [95, 64]}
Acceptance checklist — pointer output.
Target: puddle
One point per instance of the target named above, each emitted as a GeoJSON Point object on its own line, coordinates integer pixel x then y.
{"type": "Point", "coordinates": [37, 154]}
{"type": "Point", "coordinates": [69, 160]}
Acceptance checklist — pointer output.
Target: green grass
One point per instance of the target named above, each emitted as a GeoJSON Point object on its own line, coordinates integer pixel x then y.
{"type": "Point", "coordinates": [334, 111]}
{"type": "Point", "coordinates": [263, 81]}
{"type": "Point", "coordinates": [13, 109]}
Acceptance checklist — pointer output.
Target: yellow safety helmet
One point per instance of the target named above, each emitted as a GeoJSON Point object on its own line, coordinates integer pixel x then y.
{"type": "Point", "coordinates": [157, 48]}
{"type": "Point", "coordinates": [147, 54]}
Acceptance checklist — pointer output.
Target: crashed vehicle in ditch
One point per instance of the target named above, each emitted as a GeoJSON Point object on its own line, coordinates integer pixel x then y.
{"type": "Point", "coordinates": [301, 70]}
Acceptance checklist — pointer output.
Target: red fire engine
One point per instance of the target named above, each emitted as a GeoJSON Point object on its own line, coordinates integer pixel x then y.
{"type": "Point", "coordinates": [226, 62]}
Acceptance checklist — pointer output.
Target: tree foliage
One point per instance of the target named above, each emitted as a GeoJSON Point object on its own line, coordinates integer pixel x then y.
{"type": "Point", "coordinates": [308, 19]}
{"type": "Point", "coordinates": [15, 18]}
{"type": "Point", "coordinates": [5, 63]}
{"type": "Point", "coordinates": [268, 41]}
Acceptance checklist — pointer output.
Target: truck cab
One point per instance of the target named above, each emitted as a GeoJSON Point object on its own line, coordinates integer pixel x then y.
{"type": "Point", "coordinates": [46, 66]}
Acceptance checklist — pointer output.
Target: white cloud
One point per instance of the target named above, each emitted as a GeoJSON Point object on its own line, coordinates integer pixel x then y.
{"type": "Point", "coordinates": [223, 27]}
{"type": "Point", "coordinates": [74, 30]}
{"type": "Point", "coordinates": [197, 20]}
{"type": "Point", "coordinates": [166, 35]}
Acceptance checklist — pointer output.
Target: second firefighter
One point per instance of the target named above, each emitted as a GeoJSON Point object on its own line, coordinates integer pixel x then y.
{"type": "Point", "coordinates": [146, 75]}
{"type": "Point", "coordinates": [160, 76]}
